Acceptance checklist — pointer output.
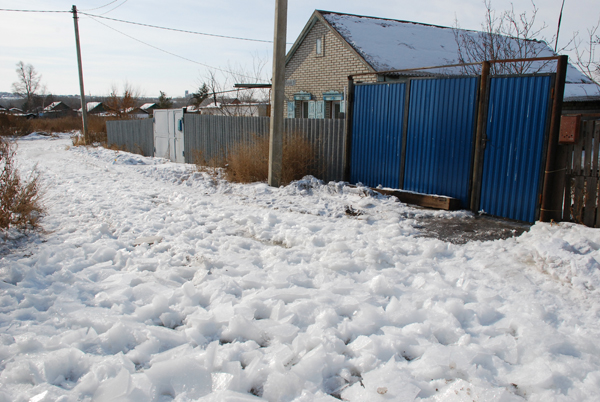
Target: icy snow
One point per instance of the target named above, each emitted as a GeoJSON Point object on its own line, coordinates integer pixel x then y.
{"type": "Point", "coordinates": [249, 293]}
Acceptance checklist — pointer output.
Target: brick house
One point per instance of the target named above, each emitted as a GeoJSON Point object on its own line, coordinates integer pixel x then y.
{"type": "Point", "coordinates": [334, 45]}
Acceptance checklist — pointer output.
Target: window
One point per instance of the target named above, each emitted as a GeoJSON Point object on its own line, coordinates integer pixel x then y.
{"type": "Point", "coordinates": [305, 107]}
{"type": "Point", "coordinates": [319, 47]}
{"type": "Point", "coordinates": [336, 112]}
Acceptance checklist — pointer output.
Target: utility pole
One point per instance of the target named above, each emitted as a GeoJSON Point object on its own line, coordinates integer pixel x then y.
{"type": "Point", "coordinates": [81, 90]}
{"type": "Point", "coordinates": [558, 29]}
{"type": "Point", "coordinates": [277, 95]}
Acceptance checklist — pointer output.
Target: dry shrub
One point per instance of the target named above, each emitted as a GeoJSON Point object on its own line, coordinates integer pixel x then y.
{"type": "Point", "coordinates": [250, 162]}
{"type": "Point", "coordinates": [56, 125]}
{"type": "Point", "coordinates": [11, 125]}
{"type": "Point", "coordinates": [203, 164]}
{"type": "Point", "coordinates": [19, 200]}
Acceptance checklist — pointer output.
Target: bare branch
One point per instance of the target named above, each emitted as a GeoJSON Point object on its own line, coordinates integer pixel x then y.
{"type": "Point", "coordinates": [502, 37]}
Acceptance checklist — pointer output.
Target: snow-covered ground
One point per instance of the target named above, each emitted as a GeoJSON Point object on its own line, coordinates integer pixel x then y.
{"type": "Point", "coordinates": [153, 282]}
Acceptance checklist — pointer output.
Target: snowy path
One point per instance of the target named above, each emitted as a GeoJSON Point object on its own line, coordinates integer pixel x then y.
{"type": "Point", "coordinates": [256, 293]}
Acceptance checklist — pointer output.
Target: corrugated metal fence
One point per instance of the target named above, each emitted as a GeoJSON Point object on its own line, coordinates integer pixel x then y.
{"type": "Point", "coordinates": [439, 143]}
{"type": "Point", "coordinates": [131, 135]}
{"type": "Point", "coordinates": [425, 147]}
{"type": "Point", "coordinates": [213, 137]}
{"type": "Point", "coordinates": [377, 134]}
{"type": "Point", "coordinates": [419, 136]}
{"type": "Point", "coordinates": [516, 134]}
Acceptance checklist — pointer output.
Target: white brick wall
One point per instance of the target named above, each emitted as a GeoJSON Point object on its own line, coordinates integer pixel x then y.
{"type": "Point", "coordinates": [318, 74]}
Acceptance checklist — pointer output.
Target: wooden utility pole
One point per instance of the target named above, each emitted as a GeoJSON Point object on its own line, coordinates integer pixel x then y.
{"type": "Point", "coordinates": [81, 89]}
{"type": "Point", "coordinates": [277, 95]}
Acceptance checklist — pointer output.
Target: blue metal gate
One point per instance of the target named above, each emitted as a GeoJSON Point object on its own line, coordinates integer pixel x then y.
{"type": "Point", "coordinates": [377, 134]}
{"type": "Point", "coordinates": [430, 150]}
{"type": "Point", "coordinates": [516, 131]}
{"type": "Point", "coordinates": [439, 143]}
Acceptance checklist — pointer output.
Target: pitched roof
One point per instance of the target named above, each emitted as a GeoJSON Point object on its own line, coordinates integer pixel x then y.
{"type": "Point", "coordinates": [148, 106]}
{"type": "Point", "coordinates": [58, 105]}
{"type": "Point", "coordinates": [386, 44]}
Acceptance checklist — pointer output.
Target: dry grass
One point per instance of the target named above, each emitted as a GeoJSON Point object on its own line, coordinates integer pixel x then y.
{"type": "Point", "coordinates": [249, 163]}
{"type": "Point", "coordinates": [14, 125]}
{"type": "Point", "coordinates": [17, 126]}
{"type": "Point", "coordinates": [19, 200]}
{"type": "Point", "coordinates": [210, 164]}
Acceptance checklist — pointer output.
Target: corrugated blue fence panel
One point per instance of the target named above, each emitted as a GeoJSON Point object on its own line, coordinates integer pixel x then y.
{"type": "Point", "coordinates": [377, 134]}
{"type": "Point", "coordinates": [439, 139]}
{"type": "Point", "coordinates": [516, 131]}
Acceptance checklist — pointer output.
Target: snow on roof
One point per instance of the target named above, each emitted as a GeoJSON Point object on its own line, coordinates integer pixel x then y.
{"type": "Point", "coordinates": [393, 45]}
{"type": "Point", "coordinates": [52, 105]}
{"type": "Point", "coordinates": [92, 105]}
{"type": "Point", "coordinates": [147, 106]}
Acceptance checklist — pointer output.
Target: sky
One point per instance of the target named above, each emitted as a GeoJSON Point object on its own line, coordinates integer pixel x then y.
{"type": "Point", "coordinates": [151, 60]}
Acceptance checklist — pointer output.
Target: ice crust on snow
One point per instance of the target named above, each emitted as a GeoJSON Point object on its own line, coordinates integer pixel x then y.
{"type": "Point", "coordinates": [256, 293]}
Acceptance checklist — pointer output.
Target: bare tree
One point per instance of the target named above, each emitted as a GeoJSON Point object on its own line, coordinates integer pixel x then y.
{"type": "Point", "coordinates": [121, 105]}
{"type": "Point", "coordinates": [504, 36]}
{"type": "Point", "coordinates": [27, 84]}
{"type": "Point", "coordinates": [220, 84]}
{"type": "Point", "coordinates": [587, 55]}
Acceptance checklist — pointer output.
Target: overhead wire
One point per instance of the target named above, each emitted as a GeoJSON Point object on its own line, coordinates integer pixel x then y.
{"type": "Point", "coordinates": [171, 53]}
{"type": "Point", "coordinates": [145, 25]}
{"type": "Point", "coordinates": [178, 30]}
{"type": "Point", "coordinates": [98, 8]}
{"type": "Point", "coordinates": [34, 11]}
{"type": "Point", "coordinates": [115, 7]}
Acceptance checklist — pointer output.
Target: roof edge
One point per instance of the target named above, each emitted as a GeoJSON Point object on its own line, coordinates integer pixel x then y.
{"type": "Point", "coordinates": [316, 16]}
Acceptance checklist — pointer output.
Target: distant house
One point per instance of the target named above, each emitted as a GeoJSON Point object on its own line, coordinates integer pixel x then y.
{"type": "Point", "coordinates": [149, 108]}
{"type": "Point", "coordinates": [3, 109]}
{"type": "Point", "coordinates": [137, 112]}
{"type": "Point", "coordinates": [94, 108]}
{"type": "Point", "coordinates": [57, 109]}
{"type": "Point", "coordinates": [335, 45]}
{"type": "Point", "coordinates": [233, 108]}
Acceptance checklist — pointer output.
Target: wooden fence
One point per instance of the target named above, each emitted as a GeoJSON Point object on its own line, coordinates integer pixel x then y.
{"type": "Point", "coordinates": [582, 175]}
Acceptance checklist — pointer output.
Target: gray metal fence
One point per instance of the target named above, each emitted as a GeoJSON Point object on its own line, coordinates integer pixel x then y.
{"type": "Point", "coordinates": [213, 137]}
{"type": "Point", "coordinates": [132, 135]}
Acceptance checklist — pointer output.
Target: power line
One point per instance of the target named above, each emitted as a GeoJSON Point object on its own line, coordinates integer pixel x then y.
{"type": "Point", "coordinates": [145, 25]}
{"type": "Point", "coordinates": [98, 8]}
{"type": "Point", "coordinates": [170, 53]}
{"type": "Point", "coordinates": [34, 11]}
{"type": "Point", "coordinates": [179, 30]}
{"type": "Point", "coordinates": [114, 8]}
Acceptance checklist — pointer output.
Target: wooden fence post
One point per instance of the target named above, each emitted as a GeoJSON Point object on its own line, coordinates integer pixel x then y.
{"type": "Point", "coordinates": [347, 157]}
{"type": "Point", "coordinates": [480, 137]}
{"type": "Point", "coordinates": [552, 192]}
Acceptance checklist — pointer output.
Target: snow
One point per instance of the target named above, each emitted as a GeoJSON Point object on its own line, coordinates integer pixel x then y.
{"type": "Point", "coordinates": [154, 282]}
{"type": "Point", "coordinates": [394, 45]}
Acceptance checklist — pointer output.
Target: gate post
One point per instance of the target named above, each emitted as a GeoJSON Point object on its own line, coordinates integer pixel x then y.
{"type": "Point", "coordinates": [480, 137]}
{"type": "Point", "coordinates": [347, 157]}
{"type": "Point", "coordinates": [404, 134]}
{"type": "Point", "coordinates": [552, 192]}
